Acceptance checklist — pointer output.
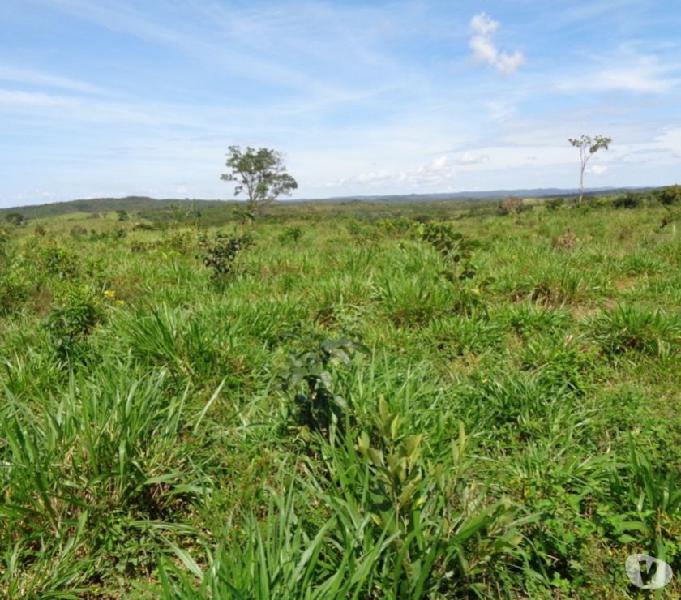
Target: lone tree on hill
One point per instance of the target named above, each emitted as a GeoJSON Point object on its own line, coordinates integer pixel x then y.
{"type": "Point", "coordinates": [260, 174]}
{"type": "Point", "coordinates": [588, 146]}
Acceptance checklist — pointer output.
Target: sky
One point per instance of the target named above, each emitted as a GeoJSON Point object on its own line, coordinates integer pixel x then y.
{"type": "Point", "coordinates": [118, 97]}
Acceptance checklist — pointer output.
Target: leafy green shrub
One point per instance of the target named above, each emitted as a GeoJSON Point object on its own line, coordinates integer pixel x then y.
{"type": "Point", "coordinates": [70, 324]}
{"type": "Point", "coordinates": [4, 245]}
{"type": "Point", "coordinates": [221, 257]}
{"type": "Point", "coordinates": [16, 219]}
{"type": "Point", "coordinates": [629, 200]}
{"type": "Point", "coordinates": [291, 234]}
{"type": "Point", "coordinates": [455, 248]}
{"type": "Point", "coordinates": [396, 225]}
{"type": "Point", "coordinates": [15, 287]}
{"type": "Point", "coordinates": [78, 231]}
{"type": "Point", "coordinates": [555, 203]}
{"type": "Point", "coordinates": [670, 195]}
{"type": "Point", "coordinates": [457, 252]}
{"type": "Point", "coordinates": [310, 372]}
{"type": "Point", "coordinates": [59, 261]}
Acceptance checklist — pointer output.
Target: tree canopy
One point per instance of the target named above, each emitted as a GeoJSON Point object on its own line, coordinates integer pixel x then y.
{"type": "Point", "coordinates": [260, 174]}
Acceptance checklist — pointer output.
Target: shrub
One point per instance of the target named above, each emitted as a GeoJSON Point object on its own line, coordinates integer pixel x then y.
{"type": "Point", "coordinates": [291, 234]}
{"type": "Point", "coordinates": [70, 324]}
{"type": "Point", "coordinates": [457, 252]}
{"type": "Point", "coordinates": [78, 231]}
{"type": "Point", "coordinates": [16, 219]}
{"type": "Point", "coordinates": [670, 195]}
{"type": "Point", "coordinates": [317, 406]}
{"type": "Point", "coordinates": [59, 261]}
{"type": "Point", "coordinates": [555, 203]}
{"type": "Point", "coordinates": [455, 248]}
{"type": "Point", "coordinates": [629, 200]}
{"type": "Point", "coordinates": [510, 206]}
{"type": "Point", "coordinates": [14, 290]}
{"type": "Point", "coordinates": [221, 257]}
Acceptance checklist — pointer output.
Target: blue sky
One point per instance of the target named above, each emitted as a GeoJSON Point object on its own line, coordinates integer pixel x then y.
{"type": "Point", "coordinates": [115, 97]}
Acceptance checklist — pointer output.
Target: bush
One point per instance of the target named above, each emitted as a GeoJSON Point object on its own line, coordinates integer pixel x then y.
{"type": "Point", "coordinates": [291, 234]}
{"type": "Point", "coordinates": [16, 219]}
{"type": "Point", "coordinates": [317, 406]}
{"type": "Point", "coordinates": [555, 203]}
{"type": "Point", "coordinates": [70, 324]}
{"type": "Point", "coordinates": [670, 195]}
{"type": "Point", "coordinates": [222, 255]}
{"type": "Point", "coordinates": [510, 206]}
{"type": "Point", "coordinates": [59, 262]}
{"type": "Point", "coordinates": [629, 200]}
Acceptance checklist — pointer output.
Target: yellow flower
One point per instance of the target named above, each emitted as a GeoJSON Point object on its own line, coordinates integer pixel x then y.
{"type": "Point", "coordinates": [110, 294]}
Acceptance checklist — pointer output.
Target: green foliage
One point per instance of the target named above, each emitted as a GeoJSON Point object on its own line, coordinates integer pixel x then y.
{"type": "Point", "coordinates": [221, 256]}
{"type": "Point", "coordinates": [455, 249]}
{"type": "Point", "coordinates": [629, 200]}
{"type": "Point", "coordinates": [260, 174]}
{"type": "Point", "coordinates": [59, 261]}
{"type": "Point", "coordinates": [310, 373]}
{"type": "Point", "coordinates": [555, 203]}
{"type": "Point", "coordinates": [670, 195]}
{"type": "Point", "coordinates": [16, 219]}
{"type": "Point", "coordinates": [291, 235]}
{"type": "Point", "coordinates": [70, 324]}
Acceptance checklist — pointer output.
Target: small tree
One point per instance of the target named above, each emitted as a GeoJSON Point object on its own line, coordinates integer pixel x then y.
{"type": "Point", "coordinates": [511, 205]}
{"type": "Point", "coordinates": [260, 174]}
{"type": "Point", "coordinates": [588, 146]}
{"type": "Point", "coordinates": [16, 219]}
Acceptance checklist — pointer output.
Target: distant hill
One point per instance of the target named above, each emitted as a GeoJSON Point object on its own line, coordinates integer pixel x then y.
{"type": "Point", "coordinates": [145, 203]}
{"type": "Point", "coordinates": [94, 205]}
{"type": "Point", "coordinates": [481, 195]}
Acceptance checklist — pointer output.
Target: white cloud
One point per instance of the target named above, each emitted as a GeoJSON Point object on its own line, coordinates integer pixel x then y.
{"type": "Point", "coordinates": [484, 49]}
{"type": "Point", "coordinates": [624, 73]}
{"type": "Point", "coordinates": [482, 24]}
{"type": "Point", "coordinates": [598, 169]}
{"type": "Point", "coordinates": [471, 158]}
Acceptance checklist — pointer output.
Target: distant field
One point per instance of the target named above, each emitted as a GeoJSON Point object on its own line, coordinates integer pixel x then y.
{"type": "Point", "coordinates": [432, 400]}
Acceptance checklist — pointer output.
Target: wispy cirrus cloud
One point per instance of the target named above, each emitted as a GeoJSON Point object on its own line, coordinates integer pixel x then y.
{"type": "Point", "coordinates": [624, 72]}
{"type": "Point", "coordinates": [49, 80]}
{"type": "Point", "coordinates": [485, 50]}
